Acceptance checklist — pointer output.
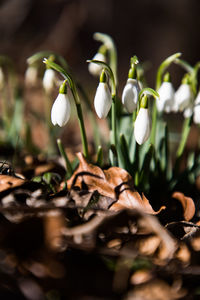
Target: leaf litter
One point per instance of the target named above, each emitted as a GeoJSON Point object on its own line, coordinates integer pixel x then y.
{"type": "Point", "coordinates": [93, 236]}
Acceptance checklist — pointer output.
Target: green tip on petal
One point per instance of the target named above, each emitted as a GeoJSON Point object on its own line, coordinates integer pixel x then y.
{"type": "Point", "coordinates": [186, 79]}
{"type": "Point", "coordinates": [63, 88]}
{"type": "Point", "coordinates": [102, 49]}
{"type": "Point", "coordinates": [144, 102]}
{"type": "Point", "coordinates": [103, 76]}
{"type": "Point", "coordinates": [132, 73]}
{"type": "Point", "coordinates": [167, 77]}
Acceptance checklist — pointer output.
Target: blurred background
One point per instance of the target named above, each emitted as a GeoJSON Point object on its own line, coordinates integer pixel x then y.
{"type": "Point", "coordinates": [151, 29]}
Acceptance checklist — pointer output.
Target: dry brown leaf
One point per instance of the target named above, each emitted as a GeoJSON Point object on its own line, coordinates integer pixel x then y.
{"type": "Point", "coordinates": [8, 182]}
{"type": "Point", "coordinates": [187, 204]}
{"type": "Point", "coordinates": [141, 276]}
{"type": "Point", "coordinates": [115, 183]}
{"type": "Point", "coordinates": [156, 289]}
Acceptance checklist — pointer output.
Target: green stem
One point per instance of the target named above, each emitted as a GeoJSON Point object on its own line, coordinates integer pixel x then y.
{"type": "Point", "coordinates": [110, 45]}
{"type": "Point", "coordinates": [153, 128]}
{"type": "Point", "coordinates": [113, 132]}
{"type": "Point", "coordinates": [185, 132]}
{"type": "Point", "coordinates": [96, 132]}
{"type": "Point", "coordinates": [113, 122]}
{"type": "Point", "coordinates": [64, 155]}
{"type": "Point", "coordinates": [72, 85]}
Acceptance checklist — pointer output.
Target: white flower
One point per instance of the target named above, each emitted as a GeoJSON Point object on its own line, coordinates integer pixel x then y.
{"type": "Point", "coordinates": [102, 100]}
{"type": "Point", "coordinates": [142, 126]}
{"type": "Point", "coordinates": [31, 76]}
{"type": "Point", "coordinates": [196, 116]}
{"type": "Point", "coordinates": [182, 97]}
{"type": "Point", "coordinates": [61, 110]}
{"type": "Point", "coordinates": [166, 92]}
{"type": "Point", "coordinates": [48, 80]}
{"type": "Point", "coordinates": [94, 68]}
{"type": "Point", "coordinates": [188, 111]}
{"type": "Point", "coordinates": [130, 95]}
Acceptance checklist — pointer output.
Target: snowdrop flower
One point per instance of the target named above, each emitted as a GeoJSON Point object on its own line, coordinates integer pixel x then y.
{"type": "Point", "coordinates": [183, 96]}
{"type": "Point", "coordinates": [131, 91]}
{"type": "Point", "coordinates": [48, 80]}
{"type": "Point", "coordinates": [61, 108]}
{"type": "Point", "coordinates": [103, 98]}
{"type": "Point", "coordinates": [130, 95]}
{"type": "Point", "coordinates": [166, 92]}
{"type": "Point", "coordinates": [31, 76]}
{"type": "Point", "coordinates": [96, 69]}
{"type": "Point", "coordinates": [142, 126]}
{"type": "Point", "coordinates": [196, 116]}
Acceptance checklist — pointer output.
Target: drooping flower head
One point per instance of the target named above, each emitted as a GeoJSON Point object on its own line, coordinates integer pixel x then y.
{"type": "Point", "coordinates": [49, 78]}
{"type": "Point", "coordinates": [131, 91]}
{"type": "Point", "coordinates": [31, 76]}
{"type": "Point", "coordinates": [61, 109]}
{"type": "Point", "coordinates": [142, 126]}
{"type": "Point", "coordinates": [183, 96]}
{"type": "Point", "coordinates": [96, 69]}
{"type": "Point", "coordinates": [103, 98]}
{"type": "Point", "coordinates": [166, 92]}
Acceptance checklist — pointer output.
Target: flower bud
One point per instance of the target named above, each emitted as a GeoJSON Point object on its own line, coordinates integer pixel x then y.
{"type": "Point", "coordinates": [61, 108]}
{"type": "Point", "coordinates": [48, 80]}
{"type": "Point", "coordinates": [96, 69]}
{"type": "Point", "coordinates": [142, 126]}
{"type": "Point", "coordinates": [103, 98]}
{"type": "Point", "coordinates": [130, 95]}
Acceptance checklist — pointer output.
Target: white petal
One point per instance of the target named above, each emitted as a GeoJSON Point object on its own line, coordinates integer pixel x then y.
{"type": "Point", "coordinates": [166, 92]}
{"type": "Point", "coordinates": [142, 126]}
{"type": "Point", "coordinates": [188, 111]}
{"type": "Point", "coordinates": [183, 97]}
{"type": "Point", "coordinates": [196, 116]}
{"type": "Point", "coordinates": [130, 95]}
{"type": "Point", "coordinates": [61, 110]}
{"type": "Point", "coordinates": [31, 76]}
{"type": "Point", "coordinates": [96, 69]}
{"type": "Point", "coordinates": [102, 100]}
{"type": "Point", "coordinates": [48, 79]}
{"type": "Point", "coordinates": [197, 100]}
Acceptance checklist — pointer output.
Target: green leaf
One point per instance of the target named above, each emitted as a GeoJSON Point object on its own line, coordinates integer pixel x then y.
{"type": "Point", "coordinates": [99, 161]}
{"type": "Point", "coordinates": [145, 169]}
{"type": "Point", "coordinates": [125, 153]}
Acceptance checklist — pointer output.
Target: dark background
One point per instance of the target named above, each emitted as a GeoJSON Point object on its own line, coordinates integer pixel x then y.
{"type": "Point", "coordinates": [151, 29]}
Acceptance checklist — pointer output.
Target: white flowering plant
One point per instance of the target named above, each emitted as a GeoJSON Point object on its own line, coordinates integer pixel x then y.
{"type": "Point", "coordinates": [142, 140]}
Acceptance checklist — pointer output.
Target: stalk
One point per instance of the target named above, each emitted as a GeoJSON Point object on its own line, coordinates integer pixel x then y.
{"type": "Point", "coordinates": [66, 159]}
{"type": "Point", "coordinates": [67, 77]}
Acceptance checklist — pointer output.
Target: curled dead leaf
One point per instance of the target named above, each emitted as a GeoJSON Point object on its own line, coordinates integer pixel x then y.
{"type": "Point", "coordinates": [187, 204]}
{"type": "Point", "coordinates": [115, 183]}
